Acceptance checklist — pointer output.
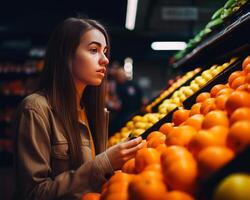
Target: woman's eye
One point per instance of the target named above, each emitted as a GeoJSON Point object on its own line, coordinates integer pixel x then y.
{"type": "Point", "coordinates": [93, 50]}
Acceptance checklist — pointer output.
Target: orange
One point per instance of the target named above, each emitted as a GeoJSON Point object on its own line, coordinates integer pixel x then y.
{"type": "Point", "coordinates": [211, 159]}
{"type": "Point", "coordinates": [195, 121]}
{"type": "Point", "coordinates": [145, 188]}
{"type": "Point", "coordinates": [120, 177]}
{"type": "Point", "coordinates": [153, 167]}
{"type": "Point", "coordinates": [215, 118]}
{"type": "Point", "coordinates": [195, 109]}
{"type": "Point", "coordinates": [181, 135]}
{"type": "Point", "coordinates": [237, 99]}
{"type": "Point", "coordinates": [120, 196]}
{"type": "Point", "coordinates": [215, 136]}
{"type": "Point", "coordinates": [177, 195]}
{"type": "Point", "coordinates": [245, 87]}
{"type": "Point", "coordinates": [245, 62]}
{"type": "Point", "coordinates": [161, 147]}
{"type": "Point", "coordinates": [153, 172]}
{"type": "Point", "coordinates": [173, 154]}
{"type": "Point", "coordinates": [207, 106]}
{"type": "Point", "coordinates": [220, 101]}
{"type": "Point", "coordinates": [202, 97]}
{"type": "Point", "coordinates": [225, 91]}
{"type": "Point", "coordinates": [180, 116]}
{"type": "Point", "coordinates": [239, 135]}
{"type": "Point", "coordinates": [129, 166]}
{"type": "Point", "coordinates": [242, 113]}
{"type": "Point", "coordinates": [242, 87]}
{"type": "Point", "coordinates": [247, 80]}
{"type": "Point", "coordinates": [237, 82]}
{"type": "Point", "coordinates": [247, 69]}
{"type": "Point", "coordinates": [233, 76]}
{"type": "Point", "coordinates": [179, 169]}
{"type": "Point", "coordinates": [166, 128]}
{"type": "Point", "coordinates": [91, 196]}
{"type": "Point", "coordinates": [145, 157]}
{"type": "Point", "coordinates": [118, 187]}
{"type": "Point", "coordinates": [216, 89]}
{"type": "Point", "coordinates": [155, 138]}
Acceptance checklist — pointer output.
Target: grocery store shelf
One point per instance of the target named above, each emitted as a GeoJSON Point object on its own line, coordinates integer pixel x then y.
{"type": "Point", "coordinates": [157, 125]}
{"type": "Point", "coordinates": [219, 79]}
{"type": "Point", "coordinates": [236, 30]}
{"type": "Point", "coordinates": [21, 75]}
{"type": "Point", "coordinates": [155, 108]}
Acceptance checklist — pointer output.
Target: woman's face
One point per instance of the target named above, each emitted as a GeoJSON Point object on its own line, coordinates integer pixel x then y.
{"type": "Point", "coordinates": [89, 63]}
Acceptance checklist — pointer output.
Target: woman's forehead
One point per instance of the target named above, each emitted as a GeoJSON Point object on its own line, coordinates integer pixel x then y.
{"type": "Point", "coordinates": [94, 35]}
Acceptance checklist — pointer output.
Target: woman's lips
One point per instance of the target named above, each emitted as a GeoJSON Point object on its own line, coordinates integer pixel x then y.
{"type": "Point", "coordinates": [102, 70]}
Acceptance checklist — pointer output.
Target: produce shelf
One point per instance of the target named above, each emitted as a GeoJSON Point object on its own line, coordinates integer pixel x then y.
{"type": "Point", "coordinates": [235, 31]}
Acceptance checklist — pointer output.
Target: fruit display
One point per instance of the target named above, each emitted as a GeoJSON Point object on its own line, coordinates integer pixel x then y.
{"type": "Point", "coordinates": [217, 20]}
{"type": "Point", "coordinates": [139, 124]}
{"type": "Point", "coordinates": [189, 75]}
{"type": "Point", "coordinates": [184, 92]}
{"type": "Point", "coordinates": [191, 148]}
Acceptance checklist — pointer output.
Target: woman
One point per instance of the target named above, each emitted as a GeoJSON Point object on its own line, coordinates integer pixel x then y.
{"type": "Point", "coordinates": [62, 128]}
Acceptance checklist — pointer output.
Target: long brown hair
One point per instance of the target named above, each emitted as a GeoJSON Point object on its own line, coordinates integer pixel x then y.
{"type": "Point", "coordinates": [58, 85]}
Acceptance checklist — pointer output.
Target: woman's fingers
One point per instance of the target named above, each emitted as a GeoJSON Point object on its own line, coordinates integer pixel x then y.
{"type": "Point", "coordinates": [131, 143]}
{"type": "Point", "coordinates": [134, 149]}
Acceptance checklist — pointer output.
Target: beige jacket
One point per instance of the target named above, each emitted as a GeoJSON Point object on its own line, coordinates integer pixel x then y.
{"type": "Point", "coordinates": [42, 160]}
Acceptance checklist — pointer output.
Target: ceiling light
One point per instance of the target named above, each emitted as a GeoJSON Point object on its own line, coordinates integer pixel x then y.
{"type": "Point", "coordinates": [168, 45]}
{"type": "Point", "coordinates": [131, 14]}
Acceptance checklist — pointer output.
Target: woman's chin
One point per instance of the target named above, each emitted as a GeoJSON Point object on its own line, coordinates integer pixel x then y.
{"type": "Point", "coordinates": [97, 82]}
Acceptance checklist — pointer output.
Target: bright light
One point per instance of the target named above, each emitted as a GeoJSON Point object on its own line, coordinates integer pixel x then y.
{"type": "Point", "coordinates": [128, 67]}
{"type": "Point", "coordinates": [168, 45]}
{"type": "Point", "coordinates": [131, 14]}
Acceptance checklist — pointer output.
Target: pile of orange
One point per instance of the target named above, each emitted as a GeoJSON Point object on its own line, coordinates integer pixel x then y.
{"type": "Point", "coordinates": [193, 146]}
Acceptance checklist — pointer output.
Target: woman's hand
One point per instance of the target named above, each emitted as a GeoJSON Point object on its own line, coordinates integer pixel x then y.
{"type": "Point", "coordinates": [120, 153]}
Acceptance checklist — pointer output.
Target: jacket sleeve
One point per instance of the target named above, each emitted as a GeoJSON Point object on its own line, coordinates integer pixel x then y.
{"type": "Point", "coordinates": [33, 152]}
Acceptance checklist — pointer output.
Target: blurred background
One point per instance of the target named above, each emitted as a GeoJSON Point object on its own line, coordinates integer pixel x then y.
{"type": "Point", "coordinates": [140, 68]}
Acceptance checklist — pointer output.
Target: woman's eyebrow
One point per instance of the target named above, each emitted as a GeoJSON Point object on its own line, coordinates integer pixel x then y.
{"type": "Point", "coordinates": [97, 43]}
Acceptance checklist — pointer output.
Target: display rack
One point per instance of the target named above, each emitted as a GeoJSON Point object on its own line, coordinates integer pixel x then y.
{"type": "Point", "coordinates": [220, 40]}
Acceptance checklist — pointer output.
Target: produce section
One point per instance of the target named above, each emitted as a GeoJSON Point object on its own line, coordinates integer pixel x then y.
{"type": "Point", "coordinates": [139, 124]}
{"type": "Point", "coordinates": [174, 85]}
{"type": "Point", "coordinates": [199, 146]}
{"type": "Point", "coordinates": [176, 158]}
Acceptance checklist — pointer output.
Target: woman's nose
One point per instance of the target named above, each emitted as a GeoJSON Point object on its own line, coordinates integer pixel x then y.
{"type": "Point", "coordinates": [104, 60]}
